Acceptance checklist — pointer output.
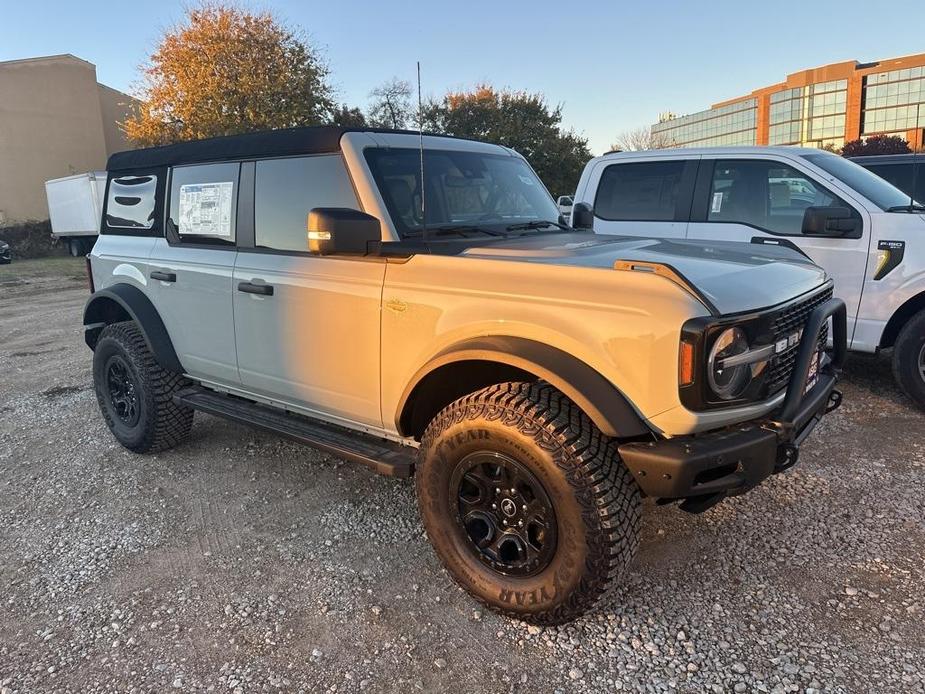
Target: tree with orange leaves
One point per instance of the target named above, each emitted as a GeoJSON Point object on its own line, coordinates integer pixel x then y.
{"type": "Point", "coordinates": [227, 71]}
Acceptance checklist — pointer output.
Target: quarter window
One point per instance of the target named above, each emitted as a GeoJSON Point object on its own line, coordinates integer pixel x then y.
{"type": "Point", "coordinates": [646, 191]}
{"type": "Point", "coordinates": [764, 194]}
{"type": "Point", "coordinates": [131, 202]}
{"type": "Point", "coordinates": [288, 189]}
{"type": "Point", "coordinates": [204, 203]}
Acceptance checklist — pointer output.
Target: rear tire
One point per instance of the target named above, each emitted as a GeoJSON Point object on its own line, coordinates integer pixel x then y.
{"type": "Point", "coordinates": [526, 503]}
{"type": "Point", "coordinates": [135, 393]}
{"type": "Point", "coordinates": [909, 358]}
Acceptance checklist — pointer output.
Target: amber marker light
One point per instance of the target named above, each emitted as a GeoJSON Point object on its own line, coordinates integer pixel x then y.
{"type": "Point", "coordinates": [882, 259]}
{"type": "Point", "coordinates": [686, 364]}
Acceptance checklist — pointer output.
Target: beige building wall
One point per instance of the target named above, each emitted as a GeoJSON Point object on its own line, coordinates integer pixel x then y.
{"type": "Point", "coordinates": [55, 120]}
{"type": "Point", "coordinates": [115, 106]}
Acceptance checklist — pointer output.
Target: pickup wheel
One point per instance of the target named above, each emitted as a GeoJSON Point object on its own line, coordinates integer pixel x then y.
{"type": "Point", "coordinates": [909, 358]}
{"type": "Point", "coordinates": [136, 394]}
{"type": "Point", "coordinates": [526, 503]}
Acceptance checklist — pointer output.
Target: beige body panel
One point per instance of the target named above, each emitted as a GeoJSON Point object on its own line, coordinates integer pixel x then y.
{"type": "Point", "coordinates": [316, 341]}
{"type": "Point", "coordinates": [592, 314]}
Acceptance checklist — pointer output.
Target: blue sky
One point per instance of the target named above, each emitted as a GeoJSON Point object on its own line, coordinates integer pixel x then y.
{"type": "Point", "coordinates": [613, 65]}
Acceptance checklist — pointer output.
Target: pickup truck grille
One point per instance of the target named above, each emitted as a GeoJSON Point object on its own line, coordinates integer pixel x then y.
{"type": "Point", "coordinates": [789, 321]}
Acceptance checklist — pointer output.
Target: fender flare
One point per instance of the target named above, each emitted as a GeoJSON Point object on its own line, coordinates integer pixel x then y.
{"type": "Point", "coordinates": [134, 306]}
{"type": "Point", "coordinates": [600, 399]}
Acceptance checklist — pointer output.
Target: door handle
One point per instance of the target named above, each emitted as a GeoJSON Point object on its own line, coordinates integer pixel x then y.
{"type": "Point", "coordinates": [164, 276]}
{"type": "Point", "coordinates": [251, 288]}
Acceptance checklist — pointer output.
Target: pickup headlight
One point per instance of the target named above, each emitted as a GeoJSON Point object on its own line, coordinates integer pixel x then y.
{"type": "Point", "coordinates": [728, 379]}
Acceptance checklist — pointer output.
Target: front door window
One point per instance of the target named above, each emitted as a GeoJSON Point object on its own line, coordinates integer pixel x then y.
{"type": "Point", "coordinates": [766, 195]}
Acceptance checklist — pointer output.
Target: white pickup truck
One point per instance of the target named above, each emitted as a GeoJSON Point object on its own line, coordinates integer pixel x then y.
{"type": "Point", "coordinates": [75, 204]}
{"type": "Point", "coordinates": [867, 234]}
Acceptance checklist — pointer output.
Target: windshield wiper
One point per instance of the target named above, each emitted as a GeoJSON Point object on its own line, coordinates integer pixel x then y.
{"type": "Point", "coordinates": [537, 224]}
{"type": "Point", "coordinates": [452, 229]}
{"type": "Point", "coordinates": [912, 207]}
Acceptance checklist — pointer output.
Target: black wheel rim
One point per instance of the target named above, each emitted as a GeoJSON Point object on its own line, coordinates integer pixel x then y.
{"type": "Point", "coordinates": [123, 394]}
{"type": "Point", "coordinates": [504, 514]}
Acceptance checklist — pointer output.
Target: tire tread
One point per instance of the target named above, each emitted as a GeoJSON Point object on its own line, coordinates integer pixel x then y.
{"type": "Point", "coordinates": [609, 497]}
{"type": "Point", "coordinates": [171, 423]}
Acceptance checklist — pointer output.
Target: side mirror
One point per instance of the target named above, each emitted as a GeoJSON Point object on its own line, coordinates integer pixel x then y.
{"type": "Point", "coordinates": [830, 221]}
{"type": "Point", "coordinates": [582, 216]}
{"type": "Point", "coordinates": [341, 231]}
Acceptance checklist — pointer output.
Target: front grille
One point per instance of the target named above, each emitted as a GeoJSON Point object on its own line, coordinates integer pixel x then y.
{"type": "Point", "coordinates": [788, 321]}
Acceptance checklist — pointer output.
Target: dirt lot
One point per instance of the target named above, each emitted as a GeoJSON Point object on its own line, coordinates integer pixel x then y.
{"type": "Point", "coordinates": [239, 562]}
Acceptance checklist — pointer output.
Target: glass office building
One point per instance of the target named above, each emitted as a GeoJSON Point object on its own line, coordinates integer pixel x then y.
{"type": "Point", "coordinates": [727, 125]}
{"type": "Point", "coordinates": [811, 114]}
{"type": "Point", "coordinates": [894, 101]}
{"type": "Point", "coordinates": [822, 107]}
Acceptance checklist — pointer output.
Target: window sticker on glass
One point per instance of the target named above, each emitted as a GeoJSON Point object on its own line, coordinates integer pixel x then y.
{"type": "Point", "coordinates": [205, 209]}
{"type": "Point", "coordinates": [526, 180]}
{"type": "Point", "coordinates": [717, 205]}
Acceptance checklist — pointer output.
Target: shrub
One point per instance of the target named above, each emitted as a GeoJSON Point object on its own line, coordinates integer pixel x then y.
{"type": "Point", "coordinates": [876, 144]}
{"type": "Point", "coordinates": [31, 239]}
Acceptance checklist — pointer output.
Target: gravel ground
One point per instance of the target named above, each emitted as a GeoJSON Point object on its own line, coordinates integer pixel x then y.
{"type": "Point", "coordinates": [240, 562]}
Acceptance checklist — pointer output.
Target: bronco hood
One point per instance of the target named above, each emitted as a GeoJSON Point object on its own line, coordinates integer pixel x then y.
{"type": "Point", "coordinates": [733, 276]}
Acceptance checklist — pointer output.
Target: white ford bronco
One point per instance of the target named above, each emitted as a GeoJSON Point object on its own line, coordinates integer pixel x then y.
{"type": "Point", "coordinates": [867, 234]}
{"type": "Point", "coordinates": [415, 304]}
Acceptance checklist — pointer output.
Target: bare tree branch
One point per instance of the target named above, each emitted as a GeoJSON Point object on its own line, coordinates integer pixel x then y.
{"type": "Point", "coordinates": [639, 139]}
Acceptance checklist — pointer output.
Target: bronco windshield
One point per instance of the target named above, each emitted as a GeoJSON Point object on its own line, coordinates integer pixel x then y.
{"type": "Point", "coordinates": [470, 192]}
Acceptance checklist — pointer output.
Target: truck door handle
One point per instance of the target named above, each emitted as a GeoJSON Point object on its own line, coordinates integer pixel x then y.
{"type": "Point", "coordinates": [164, 276]}
{"type": "Point", "coordinates": [251, 288]}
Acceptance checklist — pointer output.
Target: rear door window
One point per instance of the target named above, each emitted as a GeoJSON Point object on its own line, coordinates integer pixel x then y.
{"type": "Point", "coordinates": [203, 203]}
{"type": "Point", "coordinates": [288, 189]}
{"type": "Point", "coordinates": [643, 191]}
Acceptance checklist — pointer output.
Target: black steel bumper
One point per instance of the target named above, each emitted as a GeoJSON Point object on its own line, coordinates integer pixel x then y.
{"type": "Point", "coordinates": [703, 469]}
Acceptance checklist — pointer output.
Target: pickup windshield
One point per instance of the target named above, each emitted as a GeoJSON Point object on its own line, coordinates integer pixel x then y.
{"type": "Point", "coordinates": [466, 192]}
{"type": "Point", "coordinates": [879, 191]}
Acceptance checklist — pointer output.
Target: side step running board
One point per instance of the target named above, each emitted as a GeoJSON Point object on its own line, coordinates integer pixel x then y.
{"type": "Point", "coordinates": [385, 457]}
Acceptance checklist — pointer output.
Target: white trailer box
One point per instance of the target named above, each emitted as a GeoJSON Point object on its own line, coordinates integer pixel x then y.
{"type": "Point", "coordinates": [75, 206]}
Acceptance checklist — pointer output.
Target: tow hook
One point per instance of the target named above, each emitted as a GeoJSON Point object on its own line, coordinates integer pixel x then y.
{"type": "Point", "coordinates": [787, 456]}
{"type": "Point", "coordinates": [834, 401]}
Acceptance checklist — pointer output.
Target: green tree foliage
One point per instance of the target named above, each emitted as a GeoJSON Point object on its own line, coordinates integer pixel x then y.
{"type": "Point", "coordinates": [348, 117]}
{"type": "Point", "coordinates": [876, 144]}
{"type": "Point", "coordinates": [516, 119]}
{"type": "Point", "coordinates": [226, 71]}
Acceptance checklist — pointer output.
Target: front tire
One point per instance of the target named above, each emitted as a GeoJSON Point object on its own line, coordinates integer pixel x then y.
{"type": "Point", "coordinates": [526, 503]}
{"type": "Point", "coordinates": [909, 358]}
{"type": "Point", "coordinates": [135, 393]}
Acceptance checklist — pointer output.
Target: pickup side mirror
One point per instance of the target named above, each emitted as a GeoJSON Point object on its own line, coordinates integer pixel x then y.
{"type": "Point", "coordinates": [582, 216]}
{"type": "Point", "coordinates": [831, 221]}
{"type": "Point", "coordinates": [341, 231]}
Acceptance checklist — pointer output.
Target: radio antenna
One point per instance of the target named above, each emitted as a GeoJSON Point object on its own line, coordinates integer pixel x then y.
{"type": "Point", "coordinates": [421, 140]}
{"type": "Point", "coordinates": [915, 168]}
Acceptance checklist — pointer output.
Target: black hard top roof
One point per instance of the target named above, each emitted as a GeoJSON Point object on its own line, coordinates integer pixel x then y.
{"type": "Point", "coordinates": [888, 158]}
{"type": "Point", "coordinates": [267, 143]}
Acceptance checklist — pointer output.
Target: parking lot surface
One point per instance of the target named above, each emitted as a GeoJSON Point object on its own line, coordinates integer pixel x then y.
{"type": "Point", "coordinates": [240, 562]}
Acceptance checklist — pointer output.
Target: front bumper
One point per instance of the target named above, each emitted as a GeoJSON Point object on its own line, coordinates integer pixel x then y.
{"type": "Point", "coordinates": [703, 469]}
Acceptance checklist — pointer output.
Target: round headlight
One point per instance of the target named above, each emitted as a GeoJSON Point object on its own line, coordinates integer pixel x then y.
{"type": "Point", "coordinates": [728, 382]}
